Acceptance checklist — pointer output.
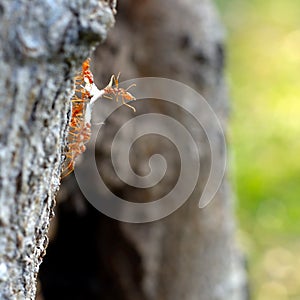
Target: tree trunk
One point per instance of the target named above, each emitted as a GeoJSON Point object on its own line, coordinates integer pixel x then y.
{"type": "Point", "coordinates": [191, 254]}
{"type": "Point", "coordinates": [42, 44]}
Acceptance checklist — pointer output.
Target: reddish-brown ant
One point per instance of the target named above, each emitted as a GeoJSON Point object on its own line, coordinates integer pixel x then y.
{"type": "Point", "coordinates": [86, 93]}
{"type": "Point", "coordinates": [79, 129]}
{"type": "Point", "coordinates": [117, 92]}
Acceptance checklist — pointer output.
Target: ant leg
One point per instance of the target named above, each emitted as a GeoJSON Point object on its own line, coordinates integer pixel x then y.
{"type": "Point", "coordinates": [108, 97]}
{"type": "Point", "coordinates": [132, 85]}
{"type": "Point", "coordinates": [73, 133]}
{"type": "Point", "coordinates": [79, 100]}
{"type": "Point", "coordinates": [123, 101]}
{"type": "Point", "coordinates": [68, 173]}
{"type": "Point", "coordinates": [134, 110]}
{"type": "Point", "coordinates": [68, 169]}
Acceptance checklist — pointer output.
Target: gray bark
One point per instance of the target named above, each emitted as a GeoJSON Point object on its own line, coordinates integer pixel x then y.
{"type": "Point", "coordinates": [42, 44]}
{"type": "Point", "coordinates": [191, 254]}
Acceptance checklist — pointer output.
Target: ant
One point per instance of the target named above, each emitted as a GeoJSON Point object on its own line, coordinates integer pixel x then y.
{"type": "Point", "coordinates": [117, 92]}
{"type": "Point", "coordinates": [86, 93]}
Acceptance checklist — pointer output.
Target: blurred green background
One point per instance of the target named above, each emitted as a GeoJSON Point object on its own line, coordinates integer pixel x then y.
{"type": "Point", "coordinates": [263, 66]}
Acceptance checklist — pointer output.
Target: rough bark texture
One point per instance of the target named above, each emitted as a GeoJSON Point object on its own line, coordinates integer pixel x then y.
{"type": "Point", "coordinates": [191, 254]}
{"type": "Point", "coordinates": [42, 44]}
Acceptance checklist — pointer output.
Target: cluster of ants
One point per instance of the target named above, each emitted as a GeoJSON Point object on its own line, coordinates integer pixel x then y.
{"type": "Point", "coordinates": [86, 93]}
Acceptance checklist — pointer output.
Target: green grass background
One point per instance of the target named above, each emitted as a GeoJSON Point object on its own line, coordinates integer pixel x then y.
{"type": "Point", "coordinates": [263, 67]}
